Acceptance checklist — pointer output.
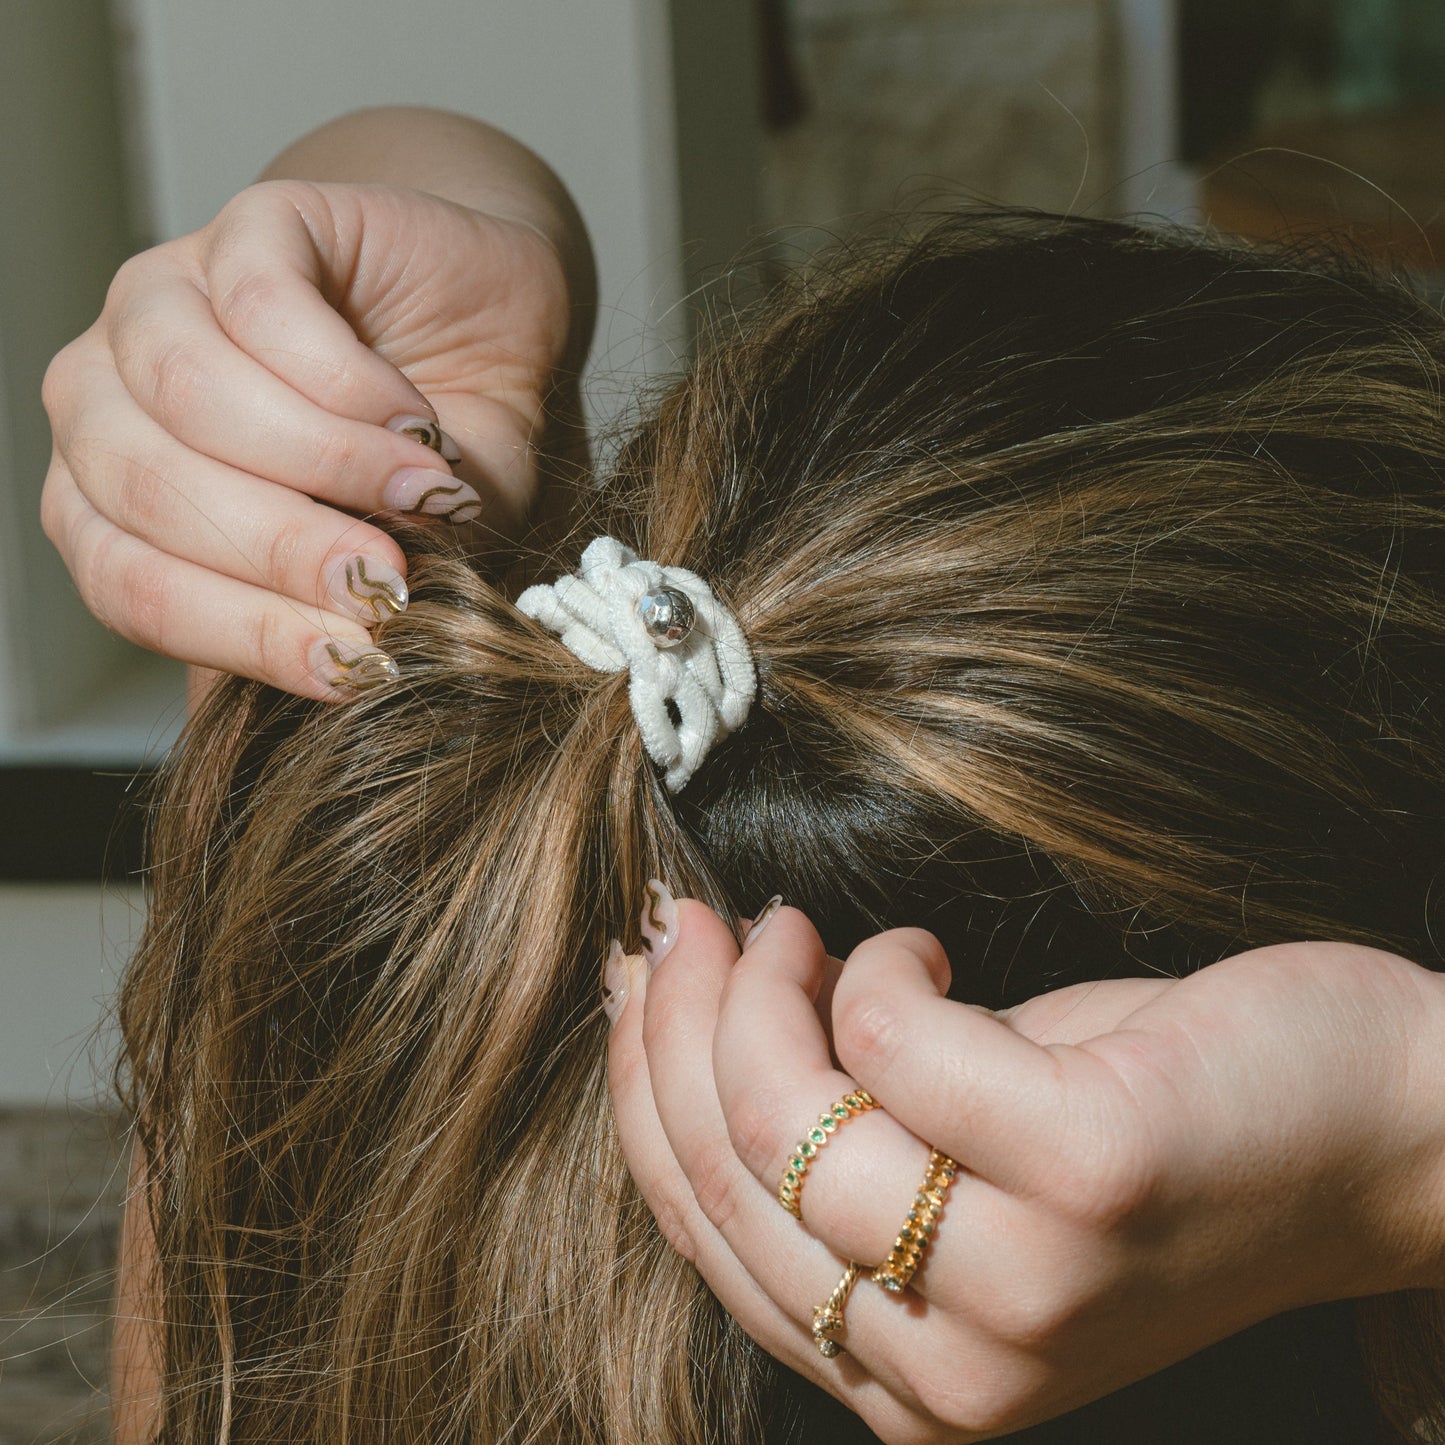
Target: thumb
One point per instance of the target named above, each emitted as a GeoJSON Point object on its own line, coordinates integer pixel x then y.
{"type": "Point", "coordinates": [499, 444]}
{"type": "Point", "coordinates": [954, 1074]}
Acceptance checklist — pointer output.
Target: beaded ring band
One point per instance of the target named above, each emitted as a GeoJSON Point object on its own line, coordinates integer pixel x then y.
{"type": "Point", "coordinates": [790, 1191]}
{"type": "Point", "coordinates": [917, 1232]}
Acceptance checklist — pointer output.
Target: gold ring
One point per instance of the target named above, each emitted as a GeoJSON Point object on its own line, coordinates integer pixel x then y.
{"type": "Point", "coordinates": [917, 1232]}
{"type": "Point", "coordinates": [790, 1191]}
{"type": "Point", "coordinates": [828, 1316]}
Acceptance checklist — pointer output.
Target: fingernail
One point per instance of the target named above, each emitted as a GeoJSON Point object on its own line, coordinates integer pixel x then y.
{"type": "Point", "coordinates": [353, 667]}
{"type": "Point", "coordinates": [614, 982]}
{"type": "Point", "coordinates": [763, 919]}
{"type": "Point", "coordinates": [659, 922]}
{"type": "Point", "coordinates": [371, 589]}
{"type": "Point", "coordinates": [429, 434]}
{"type": "Point", "coordinates": [421, 492]}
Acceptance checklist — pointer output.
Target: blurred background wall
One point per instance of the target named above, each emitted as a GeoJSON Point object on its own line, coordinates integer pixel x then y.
{"type": "Point", "coordinates": [689, 132]}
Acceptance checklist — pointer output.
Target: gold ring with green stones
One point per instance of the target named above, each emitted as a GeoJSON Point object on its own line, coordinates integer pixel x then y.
{"type": "Point", "coordinates": [790, 1191]}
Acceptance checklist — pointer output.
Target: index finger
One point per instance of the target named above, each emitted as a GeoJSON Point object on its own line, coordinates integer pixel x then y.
{"type": "Point", "coordinates": [207, 391]}
{"type": "Point", "coordinates": [776, 1078]}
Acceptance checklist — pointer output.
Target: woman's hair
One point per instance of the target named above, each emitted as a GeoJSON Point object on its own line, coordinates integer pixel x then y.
{"type": "Point", "coordinates": [1093, 575]}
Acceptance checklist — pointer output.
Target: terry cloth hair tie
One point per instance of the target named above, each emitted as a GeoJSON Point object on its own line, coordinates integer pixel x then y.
{"type": "Point", "coordinates": [663, 627]}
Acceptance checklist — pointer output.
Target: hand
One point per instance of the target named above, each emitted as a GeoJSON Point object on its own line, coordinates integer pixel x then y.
{"type": "Point", "coordinates": [1146, 1166]}
{"type": "Point", "coordinates": [270, 359]}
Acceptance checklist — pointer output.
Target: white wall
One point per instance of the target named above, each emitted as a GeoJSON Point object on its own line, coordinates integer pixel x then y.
{"type": "Point", "coordinates": [62, 234]}
{"type": "Point", "coordinates": [62, 947]}
{"type": "Point", "coordinates": [586, 83]}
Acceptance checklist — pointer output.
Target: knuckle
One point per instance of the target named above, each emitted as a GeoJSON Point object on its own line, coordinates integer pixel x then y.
{"type": "Point", "coordinates": [1105, 1184]}
{"type": "Point", "coordinates": [270, 646]}
{"type": "Point", "coordinates": [333, 453]}
{"type": "Point", "coordinates": [939, 1404]}
{"type": "Point", "coordinates": [753, 1126]}
{"type": "Point", "coordinates": [287, 550]}
{"type": "Point", "coordinates": [78, 532]}
{"type": "Point", "coordinates": [136, 321]}
{"type": "Point", "coordinates": [926, 946]}
{"type": "Point", "coordinates": [626, 1074]}
{"type": "Point", "coordinates": [262, 202]}
{"type": "Point", "coordinates": [672, 1223]}
{"type": "Point", "coordinates": [714, 1174]}
{"type": "Point", "coordinates": [1108, 1199]}
{"type": "Point", "coordinates": [980, 1411]}
{"type": "Point", "coordinates": [146, 609]}
{"type": "Point", "coordinates": [179, 380]}
{"type": "Point", "coordinates": [261, 210]}
{"type": "Point", "coordinates": [130, 486]}
{"type": "Point", "coordinates": [86, 456]}
{"type": "Point", "coordinates": [130, 276]}
{"type": "Point", "coordinates": [141, 489]}
{"type": "Point", "coordinates": [245, 209]}
{"type": "Point", "coordinates": [56, 384]}
{"type": "Point", "coordinates": [1034, 1314]}
{"type": "Point", "coordinates": [250, 299]}
{"type": "Point", "coordinates": [867, 1033]}
{"type": "Point", "coordinates": [952, 1411]}
{"type": "Point", "coordinates": [126, 592]}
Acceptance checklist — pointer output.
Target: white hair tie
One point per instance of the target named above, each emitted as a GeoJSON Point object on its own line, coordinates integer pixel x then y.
{"type": "Point", "coordinates": [677, 642]}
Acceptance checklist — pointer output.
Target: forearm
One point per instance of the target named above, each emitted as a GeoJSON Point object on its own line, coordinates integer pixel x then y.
{"type": "Point", "coordinates": [462, 160]}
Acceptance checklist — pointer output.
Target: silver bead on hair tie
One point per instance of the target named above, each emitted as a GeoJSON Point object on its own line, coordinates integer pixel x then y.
{"type": "Point", "coordinates": [678, 644]}
{"type": "Point", "coordinates": [668, 615]}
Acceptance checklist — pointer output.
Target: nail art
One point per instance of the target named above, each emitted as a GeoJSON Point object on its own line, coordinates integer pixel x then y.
{"type": "Point", "coordinates": [374, 587]}
{"type": "Point", "coordinates": [659, 922]}
{"type": "Point", "coordinates": [356, 669]}
{"type": "Point", "coordinates": [420, 492]}
{"type": "Point", "coordinates": [429, 434]}
{"type": "Point", "coordinates": [764, 918]}
{"type": "Point", "coordinates": [614, 982]}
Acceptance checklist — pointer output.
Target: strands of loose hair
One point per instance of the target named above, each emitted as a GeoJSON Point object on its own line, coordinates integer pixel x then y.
{"type": "Point", "coordinates": [1094, 577]}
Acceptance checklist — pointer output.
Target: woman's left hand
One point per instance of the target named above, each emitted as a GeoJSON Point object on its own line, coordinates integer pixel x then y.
{"type": "Point", "coordinates": [1145, 1166]}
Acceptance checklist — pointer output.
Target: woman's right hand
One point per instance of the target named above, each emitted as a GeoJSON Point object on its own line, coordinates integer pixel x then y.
{"type": "Point", "coordinates": [243, 405]}
{"type": "Point", "coordinates": [1146, 1165]}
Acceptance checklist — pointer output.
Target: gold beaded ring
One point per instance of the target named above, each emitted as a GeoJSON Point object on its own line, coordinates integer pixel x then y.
{"type": "Point", "coordinates": [917, 1232]}
{"type": "Point", "coordinates": [790, 1191]}
{"type": "Point", "coordinates": [828, 1316]}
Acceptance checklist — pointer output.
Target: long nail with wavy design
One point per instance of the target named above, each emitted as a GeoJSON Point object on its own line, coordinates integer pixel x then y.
{"type": "Point", "coordinates": [659, 922]}
{"type": "Point", "coordinates": [429, 434]}
{"type": "Point", "coordinates": [353, 668]}
{"type": "Point", "coordinates": [614, 982]}
{"type": "Point", "coordinates": [368, 588]}
{"type": "Point", "coordinates": [765, 917]}
{"type": "Point", "coordinates": [421, 492]}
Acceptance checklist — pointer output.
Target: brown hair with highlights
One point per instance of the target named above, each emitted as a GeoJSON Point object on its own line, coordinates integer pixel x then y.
{"type": "Point", "coordinates": [1094, 576]}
